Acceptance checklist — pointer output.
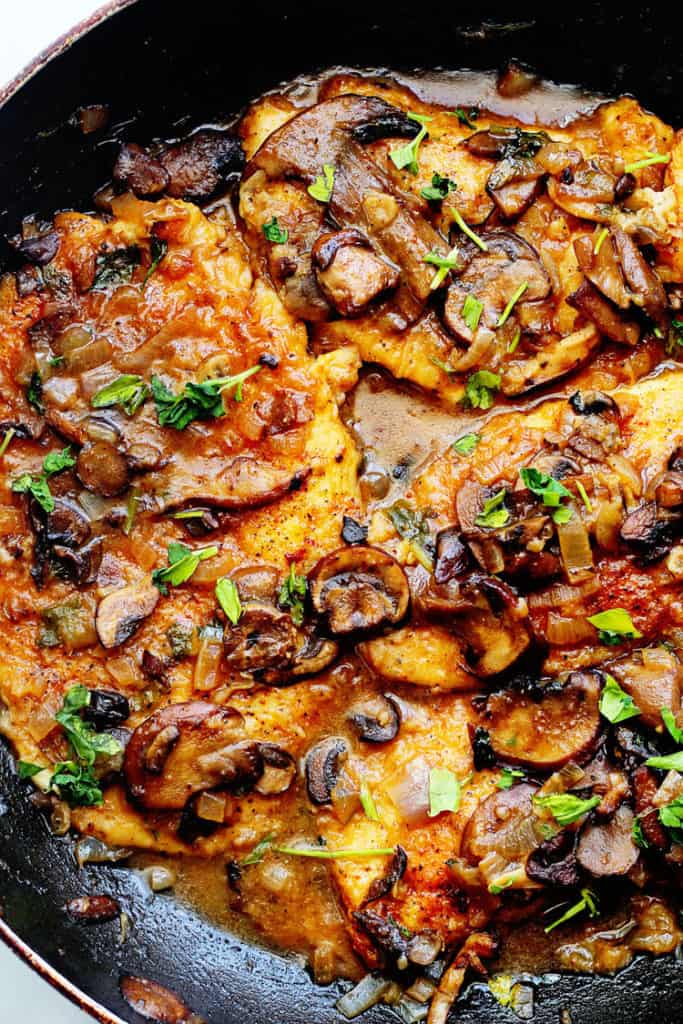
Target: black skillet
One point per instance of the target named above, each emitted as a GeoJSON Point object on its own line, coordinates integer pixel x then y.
{"type": "Point", "coordinates": [163, 69]}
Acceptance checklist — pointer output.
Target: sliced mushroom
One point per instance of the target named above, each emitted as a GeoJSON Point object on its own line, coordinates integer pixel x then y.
{"type": "Point", "coordinates": [395, 871]}
{"type": "Point", "coordinates": [646, 533]}
{"type": "Point", "coordinates": [493, 277]}
{"type": "Point", "coordinates": [323, 764]}
{"type": "Point", "coordinates": [609, 849]}
{"type": "Point", "coordinates": [349, 272]}
{"type": "Point", "coordinates": [359, 588]}
{"type": "Point", "coordinates": [669, 490]}
{"type": "Point", "coordinates": [554, 862]}
{"type": "Point", "coordinates": [106, 709]}
{"type": "Point", "coordinates": [545, 733]}
{"type": "Point", "coordinates": [121, 613]}
{"type": "Point", "coordinates": [164, 770]}
{"type": "Point", "coordinates": [139, 171]}
{"type": "Point", "coordinates": [377, 720]}
{"type": "Point", "coordinates": [643, 280]}
{"type": "Point", "coordinates": [156, 1003]}
{"type": "Point", "coordinates": [514, 184]}
{"type": "Point", "coordinates": [40, 249]}
{"type": "Point", "coordinates": [264, 638]}
{"type": "Point", "coordinates": [502, 823]}
{"type": "Point", "coordinates": [557, 358]}
{"type": "Point", "coordinates": [606, 317]}
{"type": "Point", "coordinates": [593, 403]}
{"type": "Point", "coordinates": [602, 268]}
{"type": "Point", "coordinates": [383, 931]}
{"type": "Point", "coordinates": [453, 557]}
{"type": "Point", "coordinates": [588, 193]}
{"type": "Point", "coordinates": [241, 483]}
{"type": "Point", "coordinates": [279, 770]}
{"type": "Point", "coordinates": [645, 785]}
{"type": "Point", "coordinates": [93, 909]}
{"type": "Point", "coordinates": [430, 656]}
{"type": "Point", "coordinates": [653, 684]}
{"type": "Point", "coordinates": [102, 469]}
{"type": "Point", "coordinates": [313, 654]}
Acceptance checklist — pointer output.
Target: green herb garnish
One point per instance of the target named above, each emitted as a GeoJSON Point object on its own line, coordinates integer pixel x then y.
{"type": "Point", "coordinates": [549, 490]}
{"type": "Point", "coordinates": [638, 835]}
{"type": "Point", "coordinates": [511, 304]}
{"type": "Point", "coordinates": [671, 817]}
{"type": "Point", "coordinates": [368, 803]}
{"type": "Point", "coordinates": [615, 704]}
{"type": "Point", "coordinates": [471, 311]}
{"type": "Point", "coordinates": [494, 514]}
{"type": "Point", "coordinates": [412, 525]}
{"type": "Point", "coordinates": [37, 486]}
{"type": "Point", "coordinates": [667, 762]}
{"type": "Point", "coordinates": [466, 230]}
{"type": "Point", "coordinates": [466, 119]}
{"type": "Point", "coordinates": [439, 188]}
{"type": "Point", "coordinates": [587, 902]}
{"type": "Point", "coordinates": [182, 563]}
{"type": "Point", "coordinates": [115, 268]}
{"type": "Point", "coordinates": [129, 391]}
{"type": "Point", "coordinates": [259, 851]}
{"type": "Point", "coordinates": [293, 595]}
{"type": "Point", "coordinates": [34, 392]}
{"type": "Point", "coordinates": [466, 444]}
{"type": "Point", "coordinates": [344, 854]}
{"type": "Point", "coordinates": [77, 784]}
{"type": "Point", "coordinates": [406, 156]}
{"type": "Point", "coordinates": [647, 161]}
{"type": "Point", "coordinates": [7, 439]}
{"type": "Point", "coordinates": [203, 401]}
{"type": "Point", "coordinates": [274, 233]}
{"type": "Point", "coordinates": [669, 720]}
{"type": "Point", "coordinates": [27, 770]}
{"type": "Point", "coordinates": [157, 250]}
{"type": "Point", "coordinates": [444, 791]}
{"type": "Point", "coordinates": [565, 807]}
{"type": "Point", "coordinates": [614, 625]}
{"type": "Point", "coordinates": [507, 777]}
{"type": "Point", "coordinates": [599, 241]}
{"type": "Point", "coordinates": [322, 187]}
{"type": "Point", "coordinates": [480, 389]}
{"type": "Point", "coordinates": [229, 599]}
{"type": "Point", "coordinates": [444, 263]}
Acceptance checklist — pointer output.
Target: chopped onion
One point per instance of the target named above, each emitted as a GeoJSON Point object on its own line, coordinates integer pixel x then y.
{"type": "Point", "coordinates": [413, 1010]}
{"type": "Point", "coordinates": [123, 670]}
{"type": "Point", "coordinates": [421, 991]}
{"type": "Point", "coordinates": [369, 991]}
{"type": "Point", "coordinates": [60, 819]}
{"type": "Point", "coordinates": [561, 593]}
{"type": "Point", "coordinates": [608, 521]}
{"type": "Point", "coordinates": [208, 663]}
{"type": "Point", "coordinates": [94, 505]}
{"type": "Point", "coordinates": [409, 790]}
{"type": "Point", "coordinates": [88, 356]}
{"type": "Point", "coordinates": [61, 390]}
{"type": "Point", "coordinates": [211, 807]}
{"type": "Point", "coordinates": [627, 474]}
{"type": "Point", "coordinates": [563, 630]}
{"type": "Point", "coordinates": [159, 877]}
{"type": "Point", "coordinates": [90, 850]}
{"type": "Point", "coordinates": [576, 549]}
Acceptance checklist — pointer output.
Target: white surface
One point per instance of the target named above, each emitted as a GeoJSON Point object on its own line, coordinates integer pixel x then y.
{"type": "Point", "coordinates": [28, 26]}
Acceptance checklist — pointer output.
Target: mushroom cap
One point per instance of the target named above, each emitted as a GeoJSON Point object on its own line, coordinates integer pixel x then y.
{"type": "Point", "coordinates": [359, 588]}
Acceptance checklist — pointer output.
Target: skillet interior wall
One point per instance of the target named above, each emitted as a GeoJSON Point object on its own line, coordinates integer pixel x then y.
{"type": "Point", "coordinates": [161, 75]}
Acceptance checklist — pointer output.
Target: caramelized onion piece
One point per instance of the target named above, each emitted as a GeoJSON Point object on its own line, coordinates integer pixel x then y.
{"type": "Point", "coordinates": [545, 733]}
{"type": "Point", "coordinates": [359, 589]}
{"type": "Point", "coordinates": [185, 749]}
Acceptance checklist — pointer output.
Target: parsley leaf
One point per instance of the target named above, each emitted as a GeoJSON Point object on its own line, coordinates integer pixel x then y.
{"type": "Point", "coordinates": [55, 462]}
{"type": "Point", "coordinates": [494, 514]}
{"type": "Point", "coordinates": [77, 784]}
{"type": "Point", "coordinates": [466, 119]}
{"type": "Point", "coordinates": [667, 762]}
{"type": "Point", "coordinates": [86, 743]}
{"type": "Point", "coordinates": [157, 250]}
{"type": "Point", "coordinates": [439, 188]}
{"type": "Point", "coordinates": [565, 807]}
{"type": "Point", "coordinates": [293, 595]}
{"type": "Point", "coordinates": [671, 816]}
{"type": "Point", "coordinates": [550, 490]}
{"type": "Point", "coordinates": [507, 777]}
{"type": "Point", "coordinates": [229, 598]}
{"type": "Point", "coordinates": [259, 851]}
{"type": "Point", "coordinates": [615, 704]}
{"type": "Point", "coordinates": [670, 723]}
{"type": "Point", "coordinates": [445, 265]}
{"type": "Point", "coordinates": [27, 770]}
{"type": "Point", "coordinates": [480, 389]}
{"type": "Point", "coordinates": [466, 444]}
{"type": "Point", "coordinates": [511, 304]}
{"type": "Point", "coordinates": [412, 525]}
{"type": "Point", "coordinates": [129, 391]}
{"type": "Point", "coordinates": [322, 187]}
{"type": "Point", "coordinates": [274, 233]}
{"type": "Point", "coordinates": [182, 563]}
{"type": "Point", "coordinates": [34, 392]}
{"type": "Point", "coordinates": [115, 268]}
{"type": "Point", "coordinates": [444, 791]}
{"type": "Point", "coordinates": [638, 835]}
{"type": "Point", "coordinates": [203, 401]}
{"type": "Point", "coordinates": [471, 311]}
{"type": "Point", "coordinates": [406, 156]}
{"type": "Point", "coordinates": [587, 902]}
{"type": "Point", "coordinates": [675, 338]}
{"type": "Point", "coordinates": [368, 803]}
{"type": "Point", "coordinates": [37, 487]}
{"type": "Point", "coordinates": [614, 625]}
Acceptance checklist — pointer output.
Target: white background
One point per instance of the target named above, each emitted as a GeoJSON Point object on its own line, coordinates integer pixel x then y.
{"type": "Point", "coordinates": [28, 26]}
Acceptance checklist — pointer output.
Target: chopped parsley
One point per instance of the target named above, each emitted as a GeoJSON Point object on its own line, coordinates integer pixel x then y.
{"type": "Point", "coordinates": [293, 595]}
{"type": "Point", "coordinates": [322, 187]}
{"type": "Point", "coordinates": [638, 835]}
{"type": "Point", "coordinates": [203, 401]}
{"type": "Point", "coordinates": [464, 118]}
{"type": "Point", "coordinates": [157, 250]}
{"type": "Point", "coordinates": [34, 392]}
{"type": "Point", "coordinates": [182, 563]}
{"type": "Point", "coordinates": [615, 704]}
{"type": "Point", "coordinates": [671, 817]}
{"type": "Point", "coordinates": [515, 341]}
{"type": "Point", "coordinates": [466, 444]}
{"type": "Point", "coordinates": [647, 161]}
{"type": "Point", "coordinates": [412, 525]}
{"type": "Point", "coordinates": [675, 338]}
{"type": "Point", "coordinates": [342, 854]}
{"type": "Point", "coordinates": [667, 762]}
{"type": "Point", "coordinates": [274, 233]}
{"type": "Point", "coordinates": [439, 188]}
{"type": "Point", "coordinates": [115, 268]}
{"type": "Point", "coordinates": [444, 791]}
{"type": "Point", "coordinates": [614, 626]}
{"type": "Point", "coordinates": [259, 851]}
{"type": "Point", "coordinates": [480, 389]}
{"type": "Point", "coordinates": [407, 156]}
{"type": "Point", "coordinates": [7, 440]}
{"type": "Point", "coordinates": [229, 599]}
{"type": "Point", "coordinates": [587, 902]}
{"type": "Point", "coordinates": [129, 391]}
{"type": "Point", "coordinates": [27, 770]}
{"type": "Point", "coordinates": [466, 230]}
{"type": "Point", "coordinates": [669, 720]}
{"type": "Point", "coordinates": [494, 514]}
{"type": "Point", "coordinates": [600, 240]}
{"type": "Point", "coordinates": [37, 486]}
{"type": "Point", "coordinates": [549, 490]}
{"type": "Point", "coordinates": [471, 311]}
{"type": "Point", "coordinates": [511, 304]}
{"type": "Point", "coordinates": [368, 803]}
{"type": "Point", "coordinates": [444, 263]}
{"type": "Point", "coordinates": [507, 778]}
{"type": "Point", "coordinates": [565, 807]}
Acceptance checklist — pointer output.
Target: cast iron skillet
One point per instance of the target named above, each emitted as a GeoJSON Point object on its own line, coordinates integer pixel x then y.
{"type": "Point", "coordinates": [163, 70]}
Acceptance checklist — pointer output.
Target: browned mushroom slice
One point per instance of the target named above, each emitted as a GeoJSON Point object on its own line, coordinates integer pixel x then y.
{"type": "Point", "coordinates": [263, 638]}
{"type": "Point", "coordinates": [349, 272]}
{"type": "Point", "coordinates": [122, 612]}
{"type": "Point", "coordinates": [493, 277]}
{"type": "Point", "coordinates": [198, 165]}
{"type": "Point", "coordinates": [495, 641]}
{"type": "Point", "coordinates": [137, 170]}
{"type": "Point", "coordinates": [653, 679]}
{"type": "Point", "coordinates": [606, 317]}
{"type": "Point", "coordinates": [602, 268]}
{"type": "Point", "coordinates": [185, 749]}
{"type": "Point", "coordinates": [376, 720]}
{"type": "Point", "coordinates": [609, 849]}
{"type": "Point", "coordinates": [559, 357]}
{"type": "Point", "coordinates": [244, 482]}
{"type": "Point", "coordinates": [359, 589]}
{"type": "Point", "coordinates": [545, 733]}
{"type": "Point", "coordinates": [588, 194]}
{"type": "Point", "coordinates": [323, 763]}
{"type": "Point", "coordinates": [643, 280]}
{"type": "Point", "coordinates": [156, 1003]}
{"type": "Point", "coordinates": [514, 184]}
{"type": "Point", "coordinates": [645, 786]}
{"type": "Point", "coordinates": [502, 824]}
{"type": "Point", "coordinates": [102, 469]}
{"type": "Point", "coordinates": [279, 770]}
{"type": "Point", "coordinates": [669, 490]}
